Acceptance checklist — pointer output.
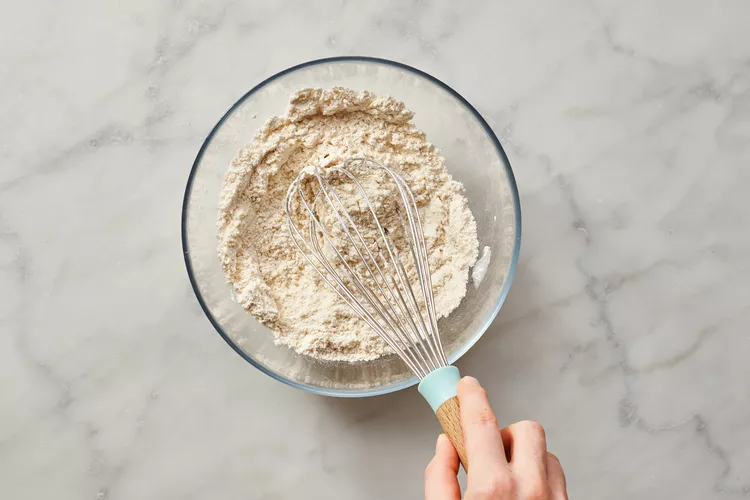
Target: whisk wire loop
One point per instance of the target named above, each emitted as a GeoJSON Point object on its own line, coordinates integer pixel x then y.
{"type": "Point", "coordinates": [371, 276]}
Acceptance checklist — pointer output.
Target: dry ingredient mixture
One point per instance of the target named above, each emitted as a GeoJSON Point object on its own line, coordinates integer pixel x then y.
{"type": "Point", "coordinates": [270, 279]}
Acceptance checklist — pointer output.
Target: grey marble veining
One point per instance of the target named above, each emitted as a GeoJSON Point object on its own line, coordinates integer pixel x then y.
{"type": "Point", "coordinates": [626, 330]}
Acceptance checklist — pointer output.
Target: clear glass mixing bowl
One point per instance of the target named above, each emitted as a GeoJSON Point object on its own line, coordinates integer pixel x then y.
{"type": "Point", "coordinates": [473, 156]}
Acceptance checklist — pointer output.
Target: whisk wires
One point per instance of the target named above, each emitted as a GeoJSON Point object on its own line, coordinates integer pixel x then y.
{"type": "Point", "coordinates": [356, 255]}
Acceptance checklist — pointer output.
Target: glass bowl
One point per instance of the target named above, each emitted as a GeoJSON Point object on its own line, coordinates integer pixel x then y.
{"type": "Point", "coordinates": [473, 155]}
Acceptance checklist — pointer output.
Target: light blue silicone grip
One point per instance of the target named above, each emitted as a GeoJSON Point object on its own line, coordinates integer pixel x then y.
{"type": "Point", "coordinates": [439, 386]}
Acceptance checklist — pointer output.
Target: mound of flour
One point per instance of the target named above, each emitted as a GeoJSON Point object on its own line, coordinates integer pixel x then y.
{"type": "Point", "coordinates": [275, 284]}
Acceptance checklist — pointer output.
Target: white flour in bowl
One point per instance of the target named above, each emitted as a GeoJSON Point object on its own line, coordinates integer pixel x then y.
{"type": "Point", "coordinates": [275, 284]}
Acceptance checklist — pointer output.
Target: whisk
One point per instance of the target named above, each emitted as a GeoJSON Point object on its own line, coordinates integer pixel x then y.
{"type": "Point", "coordinates": [337, 228]}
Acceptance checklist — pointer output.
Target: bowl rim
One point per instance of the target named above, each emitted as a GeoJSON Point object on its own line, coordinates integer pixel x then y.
{"type": "Point", "coordinates": [353, 393]}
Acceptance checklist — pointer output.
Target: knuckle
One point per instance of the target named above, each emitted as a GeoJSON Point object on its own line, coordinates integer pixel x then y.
{"type": "Point", "coordinates": [532, 427]}
{"type": "Point", "coordinates": [535, 490]}
{"type": "Point", "coordinates": [485, 417]}
{"type": "Point", "coordinates": [498, 486]}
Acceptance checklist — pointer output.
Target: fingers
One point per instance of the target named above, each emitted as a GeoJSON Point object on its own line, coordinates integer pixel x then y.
{"type": "Point", "coordinates": [528, 458]}
{"type": "Point", "coordinates": [528, 447]}
{"type": "Point", "coordinates": [484, 445]}
{"type": "Point", "coordinates": [489, 475]}
{"type": "Point", "coordinates": [440, 481]}
{"type": "Point", "coordinates": [556, 478]}
{"type": "Point", "coordinates": [508, 463]}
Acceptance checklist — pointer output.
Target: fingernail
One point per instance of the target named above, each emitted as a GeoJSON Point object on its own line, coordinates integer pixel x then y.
{"type": "Point", "coordinates": [442, 438]}
{"type": "Point", "coordinates": [471, 381]}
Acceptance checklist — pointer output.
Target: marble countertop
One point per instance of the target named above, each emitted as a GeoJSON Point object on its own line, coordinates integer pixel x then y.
{"type": "Point", "coordinates": [626, 330]}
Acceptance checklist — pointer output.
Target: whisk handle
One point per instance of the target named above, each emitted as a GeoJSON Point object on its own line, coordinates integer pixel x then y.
{"type": "Point", "coordinates": [439, 389]}
{"type": "Point", "coordinates": [449, 415]}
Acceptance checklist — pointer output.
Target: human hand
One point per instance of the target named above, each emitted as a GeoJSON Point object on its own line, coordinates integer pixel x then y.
{"type": "Point", "coordinates": [506, 464]}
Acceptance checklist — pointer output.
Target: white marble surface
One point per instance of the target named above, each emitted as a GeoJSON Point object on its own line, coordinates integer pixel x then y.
{"type": "Point", "coordinates": [626, 331]}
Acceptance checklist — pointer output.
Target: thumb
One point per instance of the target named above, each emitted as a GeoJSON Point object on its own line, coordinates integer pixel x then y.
{"type": "Point", "coordinates": [440, 481]}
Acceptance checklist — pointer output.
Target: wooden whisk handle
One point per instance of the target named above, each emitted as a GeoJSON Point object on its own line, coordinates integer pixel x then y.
{"type": "Point", "coordinates": [449, 415]}
{"type": "Point", "coordinates": [439, 388]}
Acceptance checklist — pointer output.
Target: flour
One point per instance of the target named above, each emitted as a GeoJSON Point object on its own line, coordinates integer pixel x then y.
{"type": "Point", "coordinates": [270, 279]}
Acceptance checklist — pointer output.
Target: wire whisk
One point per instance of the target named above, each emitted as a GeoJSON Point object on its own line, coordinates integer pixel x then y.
{"type": "Point", "coordinates": [369, 247]}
